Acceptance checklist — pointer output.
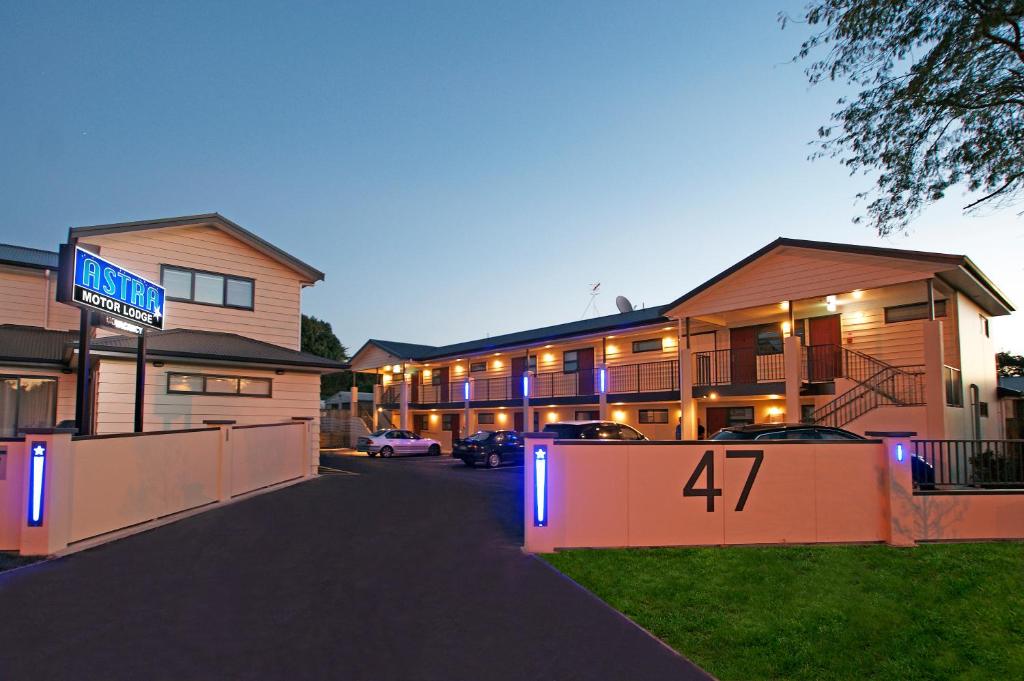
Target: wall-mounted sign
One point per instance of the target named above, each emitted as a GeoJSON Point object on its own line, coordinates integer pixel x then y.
{"type": "Point", "coordinates": [89, 281]}
{"type": "Point", "coordinates": [122, 325]}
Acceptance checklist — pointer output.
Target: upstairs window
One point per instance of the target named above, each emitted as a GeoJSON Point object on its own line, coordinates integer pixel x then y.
{"type": "Point", "coordinates": [769, 339]}
{"type": "Point", "coordinates": [477, 367]}
{"type": "Point", "coordinates": [207, 288]}
{"type": "Point", "coordinates": [914, 311]}
{"type": "Point", "coordinates": [651, 345]}
{"type": "Point", "coordinates": [570, 362]}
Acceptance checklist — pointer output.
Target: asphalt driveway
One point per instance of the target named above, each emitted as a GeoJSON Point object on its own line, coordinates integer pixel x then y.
{"type": "Point", "coordinates": [395, 569]}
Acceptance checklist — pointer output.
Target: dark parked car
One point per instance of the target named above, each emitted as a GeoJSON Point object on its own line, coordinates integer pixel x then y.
{"type": "Point", "coordinates": [489, 447]}
{"type": "Point", "coordinates": [784, 431]}
{"type": "Point", "coordinates": [593, 430]}
{"type": "Point", "coordinates": [922, 471]}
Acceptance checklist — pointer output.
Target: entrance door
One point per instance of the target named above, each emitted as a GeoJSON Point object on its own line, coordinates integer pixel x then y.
{"type": "Point", "coordinates": [518, 367]}
{"type": "Point", "coordinates": [450, 422]}
{"type": "Point", "coordinates": [517, 421]}
{"type": "Point", "coordinates": [442, 385]}
{"type": "Point", "coordinates": [419, 423]}
{"type": "Point", "coordinates": [825, 355]}
{"type": "Point", "coordinates": [743, 344]}
{"type": "Point", "coordinates": [718, 418]}
{"type": "Point", "coordinates": [585, 357]}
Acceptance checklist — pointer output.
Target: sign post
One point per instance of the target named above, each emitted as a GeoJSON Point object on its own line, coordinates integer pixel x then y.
{"type": "Point", "coordinates": [132, 303]}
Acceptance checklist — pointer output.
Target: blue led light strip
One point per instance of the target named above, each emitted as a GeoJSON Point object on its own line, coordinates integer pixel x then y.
{"type": "Point", "coordinates": [36, 480]}
{"type": "Point", "coordinates": [540, 486]}
{"type": "Point", "coordinates": [899, 452]}
{"type": "Point", "coordinates": [603, 379]}
{"type": "Point", "coordinates": [526, 386]}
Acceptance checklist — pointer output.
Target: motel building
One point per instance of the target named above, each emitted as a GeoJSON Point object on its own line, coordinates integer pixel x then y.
{"type": "Point", "coordinates": [168, 379]}
{"type": "Point", "coordinates": [863, 338]}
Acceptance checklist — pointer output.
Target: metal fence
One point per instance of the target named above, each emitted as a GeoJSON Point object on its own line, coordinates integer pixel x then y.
{"type": "Point", "coordinates": [969, 463]}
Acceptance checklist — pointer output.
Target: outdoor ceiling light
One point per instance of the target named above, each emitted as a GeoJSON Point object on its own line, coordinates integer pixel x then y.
{"type": "Point", "coordinates": [830, 303]}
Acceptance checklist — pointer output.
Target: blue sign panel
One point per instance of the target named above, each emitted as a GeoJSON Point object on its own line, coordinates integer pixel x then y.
{"type": "Point", "coordinates": [102, 285]}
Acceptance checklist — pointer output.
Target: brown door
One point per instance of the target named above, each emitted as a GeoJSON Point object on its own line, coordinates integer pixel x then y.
{"type": "Point", "coordinates": [518, 367]}
{"type": "Point", "coordinates": [451, 424]}
{"type": "Point", "coordinates": [824, 355]}
{"type": "Point", "coordinates": [517, 421]}
{"type": "Point", "coordinates": [419, 423]}
{"type": "Point", "coordinates": [743, 345]}
{"type": "Point", "coordinates": [718, 418]}
{"type": "Point", "coordinates": [442, 386]}
{"type": "Point", "coordinates": [414, 387]}
{"type": "Point", "coordinates": [586, 371]}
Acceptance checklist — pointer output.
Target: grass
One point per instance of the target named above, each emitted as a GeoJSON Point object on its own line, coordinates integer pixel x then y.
{"type": "Point", "coordinates": [946, 611]}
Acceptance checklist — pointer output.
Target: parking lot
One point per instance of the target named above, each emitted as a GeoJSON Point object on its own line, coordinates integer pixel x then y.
{"type": "Point", "coordinates": [405, 568]}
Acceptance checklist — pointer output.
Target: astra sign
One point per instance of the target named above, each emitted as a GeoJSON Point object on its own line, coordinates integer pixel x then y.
{"type": "Point", "coordinates": [89, 281]}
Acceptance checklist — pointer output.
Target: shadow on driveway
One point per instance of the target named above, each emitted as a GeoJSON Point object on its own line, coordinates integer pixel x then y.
{"type": "Point", "coordinates": [410, 569]}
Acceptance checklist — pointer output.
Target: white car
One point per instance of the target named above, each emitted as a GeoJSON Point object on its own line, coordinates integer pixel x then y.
{"type": "Point", "coordinates": [396, 442]}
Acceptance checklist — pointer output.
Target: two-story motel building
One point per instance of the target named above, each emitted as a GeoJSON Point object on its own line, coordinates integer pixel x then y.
{"type": "Point", "coordinates": [229, 349]}
{"type": "Point", "coordinates": [860, 337]}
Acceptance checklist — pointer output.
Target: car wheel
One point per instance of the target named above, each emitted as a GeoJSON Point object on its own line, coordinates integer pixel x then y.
{"type": "Point", "coordinates": [434, 450]}
{"type": "Point", "coordinates": [493, 460]}
{"type": "Point", "coordinates": [386, 451]}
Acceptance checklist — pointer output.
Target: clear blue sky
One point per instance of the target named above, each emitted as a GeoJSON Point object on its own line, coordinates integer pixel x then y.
{"type": "Point", "coordinates": [457, 169]}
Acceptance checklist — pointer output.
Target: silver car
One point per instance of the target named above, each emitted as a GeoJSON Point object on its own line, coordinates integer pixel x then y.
{"type": "Point", "coordinates": [396, 442]}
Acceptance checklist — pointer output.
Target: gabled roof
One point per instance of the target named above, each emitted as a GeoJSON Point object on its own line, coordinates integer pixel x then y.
{"type": "Point", "coordinates": [212, 219]}
{"type": "Point", "coordinates": [416, 352]}
{"type": "Point", "coordinates": [22, 256]}
{"type": "Point", "coordinates": [214, 346]}
{"type": "Point", "coordinates": [32, 344]}
{"type": "Point", "coordinates": [951, 261]}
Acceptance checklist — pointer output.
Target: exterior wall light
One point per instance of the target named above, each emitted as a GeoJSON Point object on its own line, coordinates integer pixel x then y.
{"type": "Point", "coordinates": [540, 486]}
{"type": "Point", "coordinates": [36, 482]}
{"type": "Point", "coordinates": [831, 302]}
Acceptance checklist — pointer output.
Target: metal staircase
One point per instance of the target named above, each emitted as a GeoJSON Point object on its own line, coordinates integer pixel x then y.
{"type": "Point", "coordinates": [879, 384]}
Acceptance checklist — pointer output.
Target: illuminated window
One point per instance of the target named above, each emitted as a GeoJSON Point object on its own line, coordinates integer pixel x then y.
{"type": "Point", "coordinates": [653, 416]}
{"type": "Point", "coordinates": [651, 345]}
{"type": "Point", "coordinates": [27, 403]}
{"type": "Point", "coordinates": [203, 384]}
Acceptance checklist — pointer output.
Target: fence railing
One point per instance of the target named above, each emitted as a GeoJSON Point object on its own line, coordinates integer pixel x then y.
{"type": "Point", "coordinates": [560, 384]}
{"type": "Point", "coordinates": [737, 366]}
{"type": "Point", "coordinates": [644, 378]}
{"type": "Point", "coordinates": [969, 463]}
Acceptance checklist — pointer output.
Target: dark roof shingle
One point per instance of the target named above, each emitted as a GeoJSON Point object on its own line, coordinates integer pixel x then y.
{"type": "Point", "coordinates": [24, 256]}
{"type": "Point", "coordinates": [187, 343]}
{"type": "Point", "coordinates": [33, 344]}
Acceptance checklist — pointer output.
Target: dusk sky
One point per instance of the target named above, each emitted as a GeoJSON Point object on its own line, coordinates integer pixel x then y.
{"type": "Point", "coordinates": [457, 169]}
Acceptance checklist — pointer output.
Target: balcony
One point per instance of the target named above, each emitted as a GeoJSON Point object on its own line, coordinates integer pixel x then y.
{"type": "Point", "coordinates": [737, 367]}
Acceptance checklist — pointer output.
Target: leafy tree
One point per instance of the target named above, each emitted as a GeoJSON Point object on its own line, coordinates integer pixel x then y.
{"type": "Point", "coordinates": [318, 339]}
{"type": "Point", "coordinates": [1009, 364]}
{"type": "Point", "coordinates": [940, 102]}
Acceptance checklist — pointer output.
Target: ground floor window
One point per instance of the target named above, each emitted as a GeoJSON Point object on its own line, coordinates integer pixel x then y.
{"type": "Point", "coordinates": [806, 413]}
{"type": "Point", "coordinates": [485, 418]}
{"type": "Point", "coordinates": [27, 402]}
{"type": "Point", "coordinates": [205, 384]}
{"type": "Point", "coordinates": [654, 416]}
{"type": "Point", "coordinates": [588, 415]}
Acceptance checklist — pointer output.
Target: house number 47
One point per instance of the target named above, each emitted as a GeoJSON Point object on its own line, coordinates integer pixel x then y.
{"type": "Point", "coordinates": [706, 466]}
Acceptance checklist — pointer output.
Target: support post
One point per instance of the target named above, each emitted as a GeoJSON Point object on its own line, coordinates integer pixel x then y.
{"type": "Point", "coordinates": [353, 406]}
{"type": "Point", "coordinates": [791, 361]}
{"type": "Point", "coordinates": [687, 405]}
{"type": "Point", "coordinates": [378, 391]}
{"type": "Point", "coordinates": [140, 382]}
{"type": "Point", "coordinates": [934, 380]}
{"type": "Point", "coordinates": [466, 428]}
{"type": "Point", "coordinates": [602, 391]}
{"type": "Point", "coordinates": [527, 387]}
{"type": "Point", "coordinates": [83, 392]}
{"type": "Point", "coordinates": [224, 456]}
{"type": "Point", "coordinates": [931, 300]}
{"type": "Point", "coordinates": [901, 511]}
{"type": "Point", "coordinates": [403, 418]}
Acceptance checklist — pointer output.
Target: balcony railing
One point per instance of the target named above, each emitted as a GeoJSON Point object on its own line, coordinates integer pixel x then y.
{"type": "Point", "coordinates": [560, 384]}
{"type": "Point", "coordinates": [737, 366]}
{"type": "Point", "coordinates": [970, 463]}
{"type": "Point", "coordinates": [648, 377]}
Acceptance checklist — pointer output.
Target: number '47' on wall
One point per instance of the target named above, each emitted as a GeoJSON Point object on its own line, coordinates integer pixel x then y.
{"type": "Point", "coordinates": [707, 465]}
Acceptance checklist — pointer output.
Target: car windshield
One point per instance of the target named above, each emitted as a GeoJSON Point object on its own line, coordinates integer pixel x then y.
{"type": "Point", "coordinates": [481, 436]}
{"type": "Point", "coordinates": [730, 435]}
{"type": "Point", "coordinates": [563, 431]}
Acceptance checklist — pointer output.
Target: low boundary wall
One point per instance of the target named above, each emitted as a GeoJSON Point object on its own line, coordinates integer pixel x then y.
{"type": "Point", "coordinates": [617, 494]}
{"type": "Point", "coordinates": [56, 489]}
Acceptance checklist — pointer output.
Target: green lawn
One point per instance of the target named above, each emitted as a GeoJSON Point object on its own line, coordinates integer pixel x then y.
{"type": "Point", "coordinates": [950, 611]}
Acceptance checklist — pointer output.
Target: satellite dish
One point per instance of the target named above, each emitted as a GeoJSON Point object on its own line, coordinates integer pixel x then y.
{"type": "Point", "coordinates": [622, 302]}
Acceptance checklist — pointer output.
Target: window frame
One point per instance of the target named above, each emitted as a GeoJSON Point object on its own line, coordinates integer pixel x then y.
{"type": "Point", "coordinates": [17, 404]}
{"type": "Point", "coordinates": [761, 328]}
{"type": "Point", "coordinates": [588, 415]}
{"type": "Point", "coordinates": [238, 387]}
{"type": "Point", "coordinates": [575, 362]}
{"type": "Point", "coordinates": [649, 412]}
{"type": "Point", "coordinates": [478, 367]}
{"type": "Point", "coordinates": [192, 272]}
{"type": "Point", "coordinates": [485, 418]}
{"type": "Point", "coordinates": [660, 341]}
{"type": "Point", "coordinates": [941, 310]}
